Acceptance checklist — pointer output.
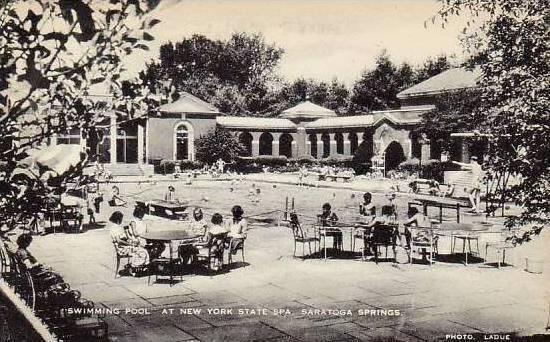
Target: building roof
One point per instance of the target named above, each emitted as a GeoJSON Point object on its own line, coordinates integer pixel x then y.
{"type": "Point", "coordinates": [237, 122]}
{"type": "Point", "coordinates": [307, 110]}
{"type": "Point", "coordinates": [188, 103]}
{"type": "Point", "coordinates": [402, 116]}
{"type": "Point", "coordinates": [342, 122]}
{"type": "Point", "coordinates": [452, 79]}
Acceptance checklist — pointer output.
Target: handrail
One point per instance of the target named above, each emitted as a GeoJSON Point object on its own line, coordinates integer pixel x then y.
{"type": "Point", "coordinates": [37, 324]}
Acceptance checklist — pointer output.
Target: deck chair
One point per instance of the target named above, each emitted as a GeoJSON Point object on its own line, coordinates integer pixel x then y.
{"type": "Point", "coordinates": [383, 236]}
{"type": "Point", "coordinates": [301, 237]}
{"type": "Point", "coordinates": [500, 246]}
{"type": "Point", "coordinates": [424, 241]}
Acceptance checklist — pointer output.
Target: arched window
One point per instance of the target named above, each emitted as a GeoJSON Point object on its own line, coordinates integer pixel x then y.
{"type": "Point", "coordinates": [266, 144]}
{"type": "Point", "coordinates": [183, 141]}
{"type": "Point", "coordinates": [339, 143]}
{"type": "Point", "coordinates": [245, 139]}
{"type": "Point", "coordinates": [285, 145]}
{"type": "Point", "coordinates": [313, 144]}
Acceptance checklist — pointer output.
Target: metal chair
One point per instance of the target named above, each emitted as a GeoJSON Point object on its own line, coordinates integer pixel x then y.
{"type": "Point", "coordinates": [423, 239]}
{"type": "Point", "coordinates": [383, 236]}
{"type": "Point", "coordinates": [301, 237]}
{"type": "Point", "coordinates": [361, 233]}
{"type": "Point", "coordinates": [240, 247]}
{"type": "Point", "coordinates": [159, 265]}
{"type": "Point", "coordinates": [500, 246]}
{"type": "Point", "coordinates": [118, 257]}
{"type": "Point", "coordinates": [208, 256]}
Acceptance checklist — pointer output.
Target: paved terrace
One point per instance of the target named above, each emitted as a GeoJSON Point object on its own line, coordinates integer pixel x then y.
{"type": "Point", "coordinates": [447, 298]}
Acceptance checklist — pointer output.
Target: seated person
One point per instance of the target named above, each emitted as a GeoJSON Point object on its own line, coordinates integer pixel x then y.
{"type": "Point", "coordinates": [374, 234]}
{"type": "Point", "coordinates": [367, 208]}
{"type": "Point", "coordinates": [198, 225]}
{"type": "Point", "coordinates": [328, 219]}
{"type": "Point", "coordinates": [170, 195]}
{"type": "Point", "coordinates": [416, 219]}
{"type": "Point", "coordinates": [22, 255]}
{"type": "Point", "coordinates": [238, 228]}
{"type": "Point", "coordinates": [126, 244]}
{"type": "Point", "coordinates": [116, 200]}
{"type": "Point", "coordinates": [213, 239]}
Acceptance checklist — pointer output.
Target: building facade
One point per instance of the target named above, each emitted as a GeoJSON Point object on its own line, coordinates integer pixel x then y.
{"type": "Point", "coordinates": [306, 130]}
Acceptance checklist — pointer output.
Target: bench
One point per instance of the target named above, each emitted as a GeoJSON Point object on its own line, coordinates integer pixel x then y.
{"type": "Point", "coordinates": [334, 178]}
{"type": "Point", "coordinates": [426, 203]}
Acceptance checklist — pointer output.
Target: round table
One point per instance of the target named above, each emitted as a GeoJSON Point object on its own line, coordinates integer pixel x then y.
{"type": "Point", "coordinates": [168, 236]}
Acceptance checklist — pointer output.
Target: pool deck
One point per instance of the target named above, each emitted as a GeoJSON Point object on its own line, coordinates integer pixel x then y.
{"type": "Point", "coordinates": [273, 296]}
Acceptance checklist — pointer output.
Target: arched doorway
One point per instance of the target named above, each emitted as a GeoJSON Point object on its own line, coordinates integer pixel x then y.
{"type": "Point", "coordinates": [339, 143]}
{"type": "Point", "coordinates": [353, 143]}
{"type": "Point", "coordinates": [325, 138]}
{"type": "Point", "coordinates": [313, 144]}
{"type": "Point", "coordinates": [266, 144]}
{"type": "Point", "coordinates": [181, 137]}
{"type": "Point", "coordinates": [184, 147]}
{"type": "Point", "coordinates": [245, 139]}
{"type": "Point", "coordinates": [394, 155]}
{"type": "Point", "coordinates": [285, 145]}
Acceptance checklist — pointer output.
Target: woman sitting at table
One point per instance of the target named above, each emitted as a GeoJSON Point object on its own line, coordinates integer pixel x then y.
{"type": "Point", "coordinates": [367, 208]}
{"type": "Point", "coordinates": [126, 244]}
{"type": "Point", "coordinates": [374, 233]}
{"type": "Point", "coordinates": [199, 227]}
{"type": "Point", "coordinates": [329, 219]}
{"type": "Point", "coordinates": [116, 200]}
{"type": "Point", "coordinates": [238, 228]}
{"type": "Point", "coordinates": [214, 240]}
{"type": "Point", "coordinates": [416, 219]}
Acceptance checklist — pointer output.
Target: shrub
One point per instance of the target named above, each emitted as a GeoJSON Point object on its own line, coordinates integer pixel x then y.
{"type": "Point", "coordinates": [218, 144]}
{"type": "Point", "coordinates": [433, 169]}
{"type": "Point", "coordinates": [167, 166]}
{"type": "Point", "coordinates": [190, 165]}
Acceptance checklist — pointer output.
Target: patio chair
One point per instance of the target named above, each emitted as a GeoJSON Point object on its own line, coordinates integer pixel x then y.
{"type": "Point", "coordinates": [22, 281]}
{"type": "Point", "coordinates": [301, 237]}
{"type": "Point", "coordinates": [205, 254]}
{"type": "Point", "coordinates": [500, 246]}
{"type": "Point", "coordinates": [239, 247]}
{"type": "Point", "coordinates": [425, 241]}
{"type": "Point", "coordinates": [383, 236]}
{"type": "Point", "coordinates": [118, 257]}
{"type": "Point", "coordinates": [360, 233]}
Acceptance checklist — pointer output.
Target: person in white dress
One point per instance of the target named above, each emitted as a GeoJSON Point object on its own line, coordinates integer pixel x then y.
{"type": "Point", "coordinates": [238, 228]}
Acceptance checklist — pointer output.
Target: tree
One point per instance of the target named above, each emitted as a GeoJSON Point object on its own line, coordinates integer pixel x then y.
{"type": "Point", "coordinates": [218, 144]}
{"type": "Point", "coordinates": [453, 112]}
{"type": "Point", "coordinates": [510, 45]}
{"type": "Point", "coordinates": [334, 96]}
{"type": "Point", "coordinates": [432, 67]}
{"type": "Point", "coordinates": [51, 53]}
{"type": "Point", "coordinates": [242, 68]}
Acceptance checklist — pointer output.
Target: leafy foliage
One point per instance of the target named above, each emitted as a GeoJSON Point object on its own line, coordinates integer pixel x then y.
{"type": "Point", "coordinates": [377, 89]}
{"type": "Point", "coordinates": [51, 54]}
{"type": "Point", "coordinates": [510, 44]}
{"type": "Point", "coordinates": [234, 75]}
{"type": "Point", "coordinates": [218, 144]}
{"type": "Point", "coordinates": [454, 112]}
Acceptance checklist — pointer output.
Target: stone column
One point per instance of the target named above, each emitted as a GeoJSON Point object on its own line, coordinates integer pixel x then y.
{"type": "Point", "coordinates": [112, 135]}
{"type": "Point", "coordinates": [275, 144]}
{"type": "Point", "coordinates": [300, 138]}
{"type": "Point", "coordinates": [255, 143]}
{"type": "Point", "coordinates": [407, 147]}
{"type": "Point", "coordinates": [53, 139]}
{"type": "Point", "coordinates": [465, 150]}
{"type": "Point", "coordinates": [320, 146]}
{"type": "Point", "coordinates": [425, 152]}
{"type": "Point", "coordinates": [147, 142]}
{"type": "Point", "coordinates": [333, 149]}
{"type": "Point", "coordinates": [347, 144]}
{"type": "Point", "coordinates": [83, 142]}
{"type": "Point", "coordinates": [140, 142]}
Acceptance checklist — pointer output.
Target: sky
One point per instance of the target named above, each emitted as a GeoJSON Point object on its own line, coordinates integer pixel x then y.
{"type": "Point", "coordinates": [322, 39]}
